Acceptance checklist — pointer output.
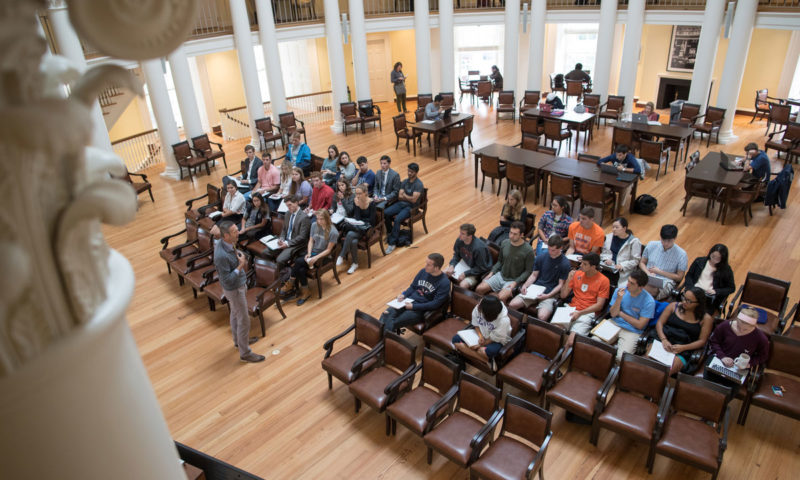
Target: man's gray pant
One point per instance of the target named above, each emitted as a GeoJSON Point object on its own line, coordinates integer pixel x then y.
{"type": "Point", "coordinates": [240, 320]}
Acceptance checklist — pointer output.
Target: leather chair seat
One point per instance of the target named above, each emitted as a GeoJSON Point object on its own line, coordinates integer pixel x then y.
{"type": "Point", "coordinates": [340, 364]}
{"type": "Point", "coordinates": [215, 292]}
{"type": "Point", "coordinates": [442, 334]}
{"type": "Point", "coordinates": [171, 255]}
{"type": "Point", "coordinates": [788, 404]}
{"type": "Point", "coordinates": [577, 393]}
{"type": "Point", "coordinates": [691, 440]}
{"type": "Point", "coordinates": [180, 265]}
{"type": "Point", "coordinates": [195, 278]}
{"type": "Point", "coordinates": [506, 458]}
{"type": "Point", "coordinates": [258, 249]}
{"type": "Point", "coordinates": [778, 145]}
{"type": "Point", "coordinates": [252, 298]}
{"type": "Point", "coordinates": [369, 388]}
{"type": "Point", "coordinates": [506, 108]}
{"type": "Point", "coordinates": [411, 409]}
{"type": "Point", "coordinates": [525, 371]}
{"type": "Point", "coordinates": [453, 436]}
{"type": "Point", "coordinates": [630, 414]}
{"type": "Point", "coordinates": [206, 223]}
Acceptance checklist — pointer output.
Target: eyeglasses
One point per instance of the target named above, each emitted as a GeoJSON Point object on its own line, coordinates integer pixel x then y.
{"type": "Point", "coordinates": [686, 299]}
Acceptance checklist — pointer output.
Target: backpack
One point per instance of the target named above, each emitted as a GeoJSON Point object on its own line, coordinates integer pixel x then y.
{"type": "Point", "coordinates": [645, 204]}
{"type": "Point", "coordinates": [404, 238]}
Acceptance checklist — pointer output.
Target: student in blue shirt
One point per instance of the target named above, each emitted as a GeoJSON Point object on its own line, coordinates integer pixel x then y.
{"type": "Point", "coordinates": [299, 154]}
{"type": "Point", "coordinates": [364, 175]}
{"type": "Point", "coordinates": [759, 162]}
{"type": "Point", "coordinates": [632, 307]}
{"type": "Point", "coordinates": [623, 160]}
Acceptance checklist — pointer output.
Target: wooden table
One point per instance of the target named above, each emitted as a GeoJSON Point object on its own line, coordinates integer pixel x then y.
{"type": "Point", "coordinates": [590, 171]}
{"type": "Point", "coordinates": [571, 118]}
{"type": "Point", "coordinates": [437, 126]}
{"type": "Point", "coordinates": [708, 172]}
{"type": "Point", "coordinates": [530, 159]}
{"type": "Point", "coordinates": [673, 132]}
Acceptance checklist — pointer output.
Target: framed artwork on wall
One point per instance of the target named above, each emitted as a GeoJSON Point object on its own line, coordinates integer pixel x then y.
{"type": "Point", "coordinates": [683, 48]}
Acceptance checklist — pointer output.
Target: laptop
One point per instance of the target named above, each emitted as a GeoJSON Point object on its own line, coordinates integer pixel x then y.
{"type": "Point", "coordinates": [727, 163]}
{"type": "Point", "coordinates": [655, 282]}
{"type": "Point", "coordinates": [447, 113]}
{"type": "Point", "coordinates": [639, 118]}
{"type": "Point", "coordinates": [626, 176]}
{"type": "Point", "coordinates": [608, 168]}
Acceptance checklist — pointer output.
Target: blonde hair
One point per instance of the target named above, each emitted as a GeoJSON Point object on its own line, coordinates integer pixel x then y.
{"type": "Point", "coordinates": [286, 170]}
{"type": "Point", "coordinates": [324, 215]}
{"type": "Point", "coordinates": [514, 212]}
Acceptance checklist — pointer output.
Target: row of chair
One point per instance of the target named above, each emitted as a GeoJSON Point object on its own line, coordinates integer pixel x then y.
{"type": "Point", "coordinates": [198, 154]}
{"type": "Point", "coordinates": [271, 133]}
{"type": "Point", "coordinates": [359, 114]}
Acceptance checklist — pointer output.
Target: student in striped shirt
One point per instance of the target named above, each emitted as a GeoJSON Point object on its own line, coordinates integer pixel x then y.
{"type": "Point", "coordinates": [665, 261]}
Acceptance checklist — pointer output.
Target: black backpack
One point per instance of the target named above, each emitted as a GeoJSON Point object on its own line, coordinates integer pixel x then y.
{"type": "Point", "coordinates": [645, 204]}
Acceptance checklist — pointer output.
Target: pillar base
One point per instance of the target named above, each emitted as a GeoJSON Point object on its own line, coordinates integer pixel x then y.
{"type": "Point", "coordinates": [171, 173]}
{"type": "Point", "coordinates": [337, 126]}
{"type": "Point", "coordinates": [726, 137]}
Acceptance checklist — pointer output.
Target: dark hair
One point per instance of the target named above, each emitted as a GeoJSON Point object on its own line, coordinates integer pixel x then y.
{"type": "Point", "coordinates": [640, 277]}
{"type": "Point", "coordinates": [249, 147]}
{"type": "Point", "coordinates": [398, 64]}
{"type": "Point", "coordinates": [225, 227]}
{"type": "Point", "coordinates": [555, 241]}
{"type": "Point", "coordinates": [669, 232]}
{"type": "Point", "coordinates": [751, 146]}
{"type": "Point", "coordinates": [491, 307]}
{"type": "Point", "coordinates": [292, 198]}
{"type": "Point", "coordinates": [438, 259]}
{"type": "Point", "coordinates": [468, 228]}
{"type": "Point", "coordinates": [592, 259]}
{"type": "Point", "coordinates": [562, 201]}
{"type": "Point", "coordinates": [266, 156]}
{"type": "Point", "coordinates": [723, 252]}
{"type": "Point", "coordinates": [413, 166]}
{"type": "Point", "coordinates": [588, 212]}
{"type": "Point", "coordinates": [517, 225]}
{"type": "Point", "coordinates": [700, 304]}
{"type": "Point", "coordinates": [624, 222]}
{"type": "Point", "coordinates": [342, 154]}
{"type": "Point", "coordinates": [387, 158]}
{"type": "Point", "coordinates": [494, 67]}
{"type": "Point", "coordinates": [438, 97]}
{"type": "Point", "coordinates": [622, 148]}
{"type": "Point", "coordinates": [578, 66]}
{"type": "Point", "coordinates": [335, 149]}
{"type": "Point", "coordinates": [361, 160]}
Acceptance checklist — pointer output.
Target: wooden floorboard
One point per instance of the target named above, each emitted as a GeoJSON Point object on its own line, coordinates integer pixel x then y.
{"type": "Point", "coordinates": [277, 419]}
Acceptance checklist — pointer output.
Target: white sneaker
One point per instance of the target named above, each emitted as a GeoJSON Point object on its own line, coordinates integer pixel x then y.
{"type": "Point", "coordinates": [389, 249]}
{"type": "Point", "coordinates": [339, 261]}
{"type": "Point", "coordinates": [352, 269]}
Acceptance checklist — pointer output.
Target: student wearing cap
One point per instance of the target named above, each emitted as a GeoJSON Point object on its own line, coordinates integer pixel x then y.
{"type": "Point", "coordinates": [407, 198]}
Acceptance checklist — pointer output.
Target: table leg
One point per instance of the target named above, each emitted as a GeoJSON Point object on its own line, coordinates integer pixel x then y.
{"type": "Point", "coordinates": [633, 194]}
{"type": "Point", "coordinates": [477, 159]}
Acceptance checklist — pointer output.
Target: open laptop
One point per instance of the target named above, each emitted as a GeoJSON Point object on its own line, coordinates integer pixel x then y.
{"type": "Point", "coordinates": [626, 176]}
{"type": "Point", "coordinates": [639, 118]}
{"type": "Point", "coordinates": [728, 163]}
{"type": "Point", "coordinates": [608, 168]}
{"type": "Point", "coordinates": [447, 113]}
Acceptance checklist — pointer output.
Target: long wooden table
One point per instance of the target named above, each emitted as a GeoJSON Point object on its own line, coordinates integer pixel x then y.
{"type": "Point", "coordinates": [437, 127]}
{"type": "Point", "coordinates": [569, 117]}
{"type": "Point", "coordinates": [708, 172]}
{"type": "Point", "coordinates": [505, 153]}
{"type": "Point", "coordinates": [673, 132]}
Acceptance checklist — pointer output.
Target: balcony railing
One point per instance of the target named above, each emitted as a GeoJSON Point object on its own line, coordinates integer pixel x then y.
{"type": "Point", "coordinates": [311, 108]}
{"type": "Point", "coordinates": [139, 151]}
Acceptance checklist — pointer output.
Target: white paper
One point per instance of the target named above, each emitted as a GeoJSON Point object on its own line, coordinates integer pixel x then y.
{"type": "Point", "coordinates": [460, 268]}
{"type": "Point", "coordinates": [469, 336]}
{"type": "Point", "coordinates": [236, 180]}
{"type": "Point", "coordinates": [562, 316]}
{"type": "Point", "coordinates": [267, 239]}
{"type": "Point", "coordinates": [283, 208]}
{"type": "Point", "coordinates": [353, 221]}
{"type": "Point", "coordinates": [336, 218]}
{"type": "Point", "coordinates": [428, 121]}
{"type": "Point", "coordinates": [534, 291]}
{"type": "Point", "coordinates": [653, 122]}
{"type": "Point", "coordinates": [606, 331]}
{"type": "Point", "coordinates": [276, 196]}
{"type": "Point", "coordinates": [273, 244]}
{"type": "Point", "coordinates": [399, 304]}
{"type": "Point", "coordinates": [575, 257]}
{"type": "Point", "coordinates": [214, 214]}
{"type": "Point", "coordinates": [658, 354]}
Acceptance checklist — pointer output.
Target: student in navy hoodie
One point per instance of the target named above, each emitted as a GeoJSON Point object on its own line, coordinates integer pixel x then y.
{"type": "Point", "coordinates": [429, 291]}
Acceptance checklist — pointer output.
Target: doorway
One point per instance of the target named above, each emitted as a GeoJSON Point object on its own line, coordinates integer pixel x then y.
{"type": "Point", "coordinates": [379, 69]}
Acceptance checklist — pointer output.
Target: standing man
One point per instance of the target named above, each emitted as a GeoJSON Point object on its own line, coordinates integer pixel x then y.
{"type": "Point", "coordinates": [299, 154]}
{"type": "Point", "coordinates": [230, 265]}
{"type": "Point", "coordinates": [364, 175]}
{"type": "Point", "coordinates": [665, 261]}
{"type": "Point", "coordinates": [429, 290]}
{"type": "Point", "coordinates": [387, 183]}
{"type": "Point", "coordinates": [295, 233]}
{"type": "Point", "coordinates": [408, 197]}
{"type": "Point", "coordinates": [549, 271]}
{"type": "Point", "coordinates": [513, 266]}
{"type": "Point", "coordinates": [474, 252]}
{"type": "Point", "coordinates": [590, 292]}
{"type": "Point", "coordinates": [584, 235]}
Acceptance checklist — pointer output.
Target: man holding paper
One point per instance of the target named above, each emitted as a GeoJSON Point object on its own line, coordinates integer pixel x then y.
{"type": "Point", "coordinates": [632, 307]}
{"type": "Point", "coordinates": [590, 292]}
{"type": "Point", "coordinates": [295, 233]}
{"type": "Point", "coordinates": [549, 274]}
{"type": "Point", "coordinates": [470, 252]}
{"type": "Point", "coordinates": [492, 328]}
{"type": "Point", "coordinates": [428, 291]}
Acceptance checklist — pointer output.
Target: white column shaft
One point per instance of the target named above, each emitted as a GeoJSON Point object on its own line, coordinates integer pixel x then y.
{"type": "Point", "coordinates": [162, 110]}
{"type": "Point", "coordinates": [511, 45]}
{"type": "Point", "coordinates": [184, 90]}
{"type": "Point", "coordinates": [333, 32]}
{"type": "Point", "coordinates": [536, 50]}
{"type": "Point", "coordinates": [358, 43]}
{"type": "Point", "coordinates": [422, 36]}
{"type": "Point", "coordinates": [706, 52]}
{"type": "Point", "coordinates": [446, 45]}
{"type": "Point", "coordinates": [630, 52]}
{"type": "Point", "coordinates": [247, 64]}
{"type": "Point", "coordinates": [605, 46]}
{"type": "Point", "coordinates": [731, 81]}
{"type": "Point", "coordinates": [272, 59]}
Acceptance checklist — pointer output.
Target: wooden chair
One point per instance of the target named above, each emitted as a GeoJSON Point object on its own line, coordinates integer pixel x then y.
{"type": "Point", "coordinates": [350, 116]}
{"type": "Point", "coordinates": [741, 198]}
{"type": "Point", "coordinates": [186, 158]}
{"type": "Point", "coordinates": [793, 330]}
{"type": "Point", "coordinates": [492, 168]}
{"type": "Point", "coordinates": [366, 109]}
{"type": "Point", "coordinates": [182, 261]}
{"type": "Point", "coordinates": [462, 303]}
{"type": "Point", "coordinates": [268, 132]}
{"type": "Point", "coordinates": [424, 99]}
{"type": "Point", "coordinates": [779, 115]}
{"type": "Point", "coordinates": [655, 153]}
{"type": "Point", "coordinates": [767, 293]}
{"type": "Point", "coordinates": [506, 353]}
{"type": "Point", "coordinates": [465, 87]}
{"type": "Point", "coordinates": [762, 104]}
{"type": "Point", "coordinates": [585, 157]}
{"type": "Point", "coordinates": [289, 125]}
{"type": "Point", "coordinates": [592, 102]}
{"type": "Point", "coordinates": [401, 130]}
{"type": "Point", "coordinates": [187, 248]}
{"type": "Point", "coordinates": [594, 194]}
{"type": "Point", "coordinates": [612, 108]}
{"type": "Point", "coordinates": [372, 236]}
{"type": "Point", "coordinates": [519, 176]}
{"type": "Point", "coordinates": [574, 89]}
{"type": "Point", "coordinates": [690, 112]}
{"type": "Point", "coordinates": [325, 265]}
{"type": "Point", "coordinates": [202, 144]}
{"type": "Point", "coordinates": [448, 99]}
{"type": "Point", "coordinates": [394, 357]}
{"type": "Point", "coordinates": [624, 136]}
{"type": "Point", "coordinates": [698, 189]}
{"type": "Point", "coordinates": [554, 133]}
{"type": "Point", "coordinates": [418, 213]}
{"type": "Point", "coordinates": [258, 248]}
{"type": "Point", "coordinates": [468, 125]}
{"type": "Point", "coordinates": [712, 121]}
{"type": "Point", "coordinates": [483, 90]}
{"type": "Point", "coordinates": [139, 187]}
{"type": "Point", "coordinates": [519, 450]}
{"type": "Point", "coordinates": [693, 429]}
{"type": "Point", "coordinates": [195, 266]}
{"type": "Point", "coordinates": [529, 143]}
{"type": "Point", "coordinates": [213, 198]}
{"type": "Point", "coordinates": [788, 141]}
{"type": "Point", "coordinates": [783, 369]}
{"type": "Point", "coordinates": [529, 100]}
{"type": "Point", "coordinates": [531, 127]}
{"type": "Point", "coordinates": [454, 137]}
{"type": "Point", "coordinates": [506, 104]}
{"type": "Point", "coordinates": [367, 333]}
{"type": "Point", "coordinates": [563, 185]}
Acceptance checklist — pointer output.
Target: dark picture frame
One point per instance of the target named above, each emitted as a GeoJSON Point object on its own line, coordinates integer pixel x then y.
{"type": "Point", "coordinates": [683, 48]}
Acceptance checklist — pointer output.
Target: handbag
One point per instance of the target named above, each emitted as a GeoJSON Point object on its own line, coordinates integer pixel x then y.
{"type": "Point", "coordinates": [579, 108]}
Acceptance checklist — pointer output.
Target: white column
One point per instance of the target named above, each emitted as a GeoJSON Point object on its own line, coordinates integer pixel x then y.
{"type": "Point", "coordinates": [731, 81]}
{"type": "Point", "coordinates": [247, 64]}
{"type": "Point", "coordinates": [358, 43]}
{"type": "Point", "coordinates": [422, 37]}
{"type": "Point", "coordinates": [536, 49]}
{"type": "Point", "coordinates": [333, 34]}
{"type": "Point", "coordinates": [184, 90]}
{"type": "Point", "coordinates": [272, 59]}
{"type": "Point", "coordinates": [69, 46]}
{"type": "Point", "coordinates": [630, 52]}
{"type": "Point", "coordinates": [605, 46]}
{"type": "Point", "coordinates": [446, 46]}
{"type": "Point", "coordinates": [162, 110]}
{"type": "Point", "coordinates": [511, 45]}
{"type": "Point", "coordinates": [706, 52]}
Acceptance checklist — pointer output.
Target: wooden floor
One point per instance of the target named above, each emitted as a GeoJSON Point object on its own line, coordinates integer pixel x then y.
{"type": "Point", "coordinates": [277, 419]}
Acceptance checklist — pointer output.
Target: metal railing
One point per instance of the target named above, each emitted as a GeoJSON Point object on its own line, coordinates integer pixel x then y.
{"type": "Point", "coordinates": [387, 7]}
{"type": "Point", "coordinates": [139, 151]}
{"type": "Point", "coordinates": [472, 4]}
{"type": "Point", "coordinates": [311, 108]}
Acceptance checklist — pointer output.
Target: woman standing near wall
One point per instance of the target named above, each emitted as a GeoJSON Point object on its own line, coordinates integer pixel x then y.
{"type": "Point", "coordinates": [399, 81]}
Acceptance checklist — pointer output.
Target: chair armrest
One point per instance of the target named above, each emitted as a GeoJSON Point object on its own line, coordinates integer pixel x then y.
{"type": "Point", "coordinates": [272, 287]}
{"type": "Point", "coordinates": [165, 240]}
{"type": "Point", "coordinates": [376, 107]}
{"type": "Point", "coordinates": [733, 302]}
{"type": "Point", "coordinates": [776, 133]}
{"type": "Point", "coordinates": [694, 119]}
{"type": "Point", "coordinates": [393, 389]}
{"type": "Point", "coordinates": [144, 177]}
{"type": "Point", "coordinates": [755, 380]}
{"type": "Point", "coordinates": [539, 455]}
{"type": "Point", "coordinates": [302, 123]}
{"type": "Point", "coordinates": [485, 434]}
{"type": "Point", "coordinates": [666, 397]}
{"type": "Point", "coordinates": [192, 200]}
{"type": "Point", "coordinates": [359, 364]}
{"type": "Point", "coordinates": [210, 277]}
{"type": "Point", "coordinates": [198, 151]}
{"type": "Point", "coordinates": [328, 345]}
{"type": "Point", "coordinates": [449, 398]}
{"type": "Point", "coordinates": [190, 264]}
{"type": "Point", "coordinates": [509, 347]}
{"type": "Point", "coordinates": [663, 412]}
{"type": "Point", "coordinates": [551, 373]}
{"type": "Point", "coordinates": [723, 442]}
{"type": "Point", "coordinates": [219, 145]}
{"type": "Point", "coordinates": [602, 394]}
{"type": "Point", "coordinates": [203, 209]}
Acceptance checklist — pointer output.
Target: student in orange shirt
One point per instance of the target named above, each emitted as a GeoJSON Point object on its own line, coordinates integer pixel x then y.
{"type": "Point", "coordinates": [584, 235]}
{"type": "Point", "coordinates": [590, 290]}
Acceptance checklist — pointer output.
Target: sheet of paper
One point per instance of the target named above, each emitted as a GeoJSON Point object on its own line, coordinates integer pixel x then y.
{"type": "Point", "coordinates": [428, 121]}
{"type": "Point", "coordinates": [658, 354]}
{"type": "Point", "coordinates": [469, 336]}
{"type": "Point", "coordinates": [215, 214]}
{"type": "Point", "coordinates": [336, 218]}
{"type": "Point", "coordinates": [395, 303]}
{"type": "Point", "coordinates": [561, 316]}
{"type": "Point", "coordinates": [534, 291]}
{"type": "Point", "coordinates": [460, 268]}
{"type": "Point", "coordinates": [353, 221]}
{"type": "Point", "coordinates": [283, 208]}
{"type": "Point", "coordinates": [606, 331]}
{"type": "Point", "coordinates": [236, 180]}
{"type": "Point", "coordinates": [273, 244]}
{"type": "Point", "coordinates": [267, 239]}
{"type": "Point", "coordinates": [575, 257]}
{"type": "Point", "coordinates": [653, 122]}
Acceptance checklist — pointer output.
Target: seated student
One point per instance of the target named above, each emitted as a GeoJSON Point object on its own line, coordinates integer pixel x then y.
{"type": "Point", "coordinates": [584, 235]}
{"type": "Point", "coordinates": [285, 186]}
{"type": "Point", "coordinates": [364, 174]}
{"type": "Point", "coordinates": [623, 160]}
{"type": "Point", "coordinates": [342, 202]}
{"type": "Point", "coordinates": [683, 328]}
{"type": "Point", "coordinates": [268, 178]}
{"type": "Point", "coordinates": [550, 271]}
{"type": "Point", "coordinates": [410, 191]}
{"type": "Point", "coordinates": [631, 310]}
{"type": "Point", "coordinates": [589, 290]}
{"type": "Point", "coordinates": [713, 275]}
{"type": "Point", "coordinates": [513, 211]}
{"type": "Point", "coordinates": [649, 110]}
{"type": "Point", "coordinates": [299, 154]}
{"type": "Point", "coordinates": [250, 176]}
{"type": "Point", "coordinates": [300, 187]}
{"type": "Point", "coordinates": [233, 205]}
{"type": "Point", "coordinates": [294, 236]}
{"type": "Point", "coordinates": [756, 162]}
{"type": "Point", "coordinates": [664, 260]}
{"type": "Point", "coordinates": [433, 110]}
{"type": "Point", "coordinates": [330, 166]}
{"type": "Point", "coordinates": [387, 183]}
{"type": "Point", "coordinates": [555, 101]}
{"type": "Point", "coordinates": [346, 168]}
{"type": "Point", "coordinates": [734, 337]}
{"type": "Point", "coordinates": [363, 210]}
{"type": "Point", "coordinates": [555, 221]}
{"type": "Point", "coordinates": [621, 250]}
{"type": "Point", "coordinates": [496, 78]}
{"type": "Point", "coordinates": [513, 266]}
{"type": "Point", "coordinates": [256, 219]}
{"type": "Point", "coordinates": [321, 194]}
{"type": "Point", "coordinates": [578, 74]}
{"type": "Point", "coordinates": [493, 327]}
{"type": "Point", "coordinates": [322, 240]}
{"type": "Point", "coordinates": [429, 291]}
{"type": "Point", "coordinates": [474, 252]}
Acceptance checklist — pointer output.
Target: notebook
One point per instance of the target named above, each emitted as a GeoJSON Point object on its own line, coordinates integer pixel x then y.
{"type": "Point", "coordinates": [533, 292]}
{"type": "Point", "coordinates": [658, 354]}
{"type": "Point", "coordinates": [469, 336]}
{"type": "Point", "coordinates": [561, 317]}
{"type": "Point", "coordinates": [460, 268]}
{"type": "Point", "coordinates": [606, 331]}
{"type": "Point", "coordinates": [399, 304]}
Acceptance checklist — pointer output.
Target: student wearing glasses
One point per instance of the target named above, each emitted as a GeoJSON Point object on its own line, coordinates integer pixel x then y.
{"type": "Point", "coordinates": [683, 329]}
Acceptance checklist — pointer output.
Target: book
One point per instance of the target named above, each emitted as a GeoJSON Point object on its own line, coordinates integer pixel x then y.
{"type": "Point", "coordinates": [561, 317]}
{"type": "Point", "coordinates": [460, 268]}
{"type": "Point", "coordinates": [653, 122]}
{"type": "Point", "coordinates": [399, 304]}
{"type": "Point", "coordinates": [533, 292]}
{"type": "Point", "coordinates": [469, 336]}
{"type": "Point", "coordinates": [267, 239]}
{"type": "Point", "coordinates": [606, 331]}
{"type": "Point", "coordinates": [273, 244]}
{"type": "Point", "coordinates": [658, 354]}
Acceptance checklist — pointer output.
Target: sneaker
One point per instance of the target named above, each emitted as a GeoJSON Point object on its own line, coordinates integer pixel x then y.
{"type": "Point", "coordinates": [251, 357]}
{"type": "Point", "coordinates": [352, 269]}
{"type": "Point", "coordinates": [339, 261]}
{"type": "Point", "coordinates": [389, 249]}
